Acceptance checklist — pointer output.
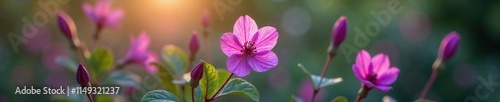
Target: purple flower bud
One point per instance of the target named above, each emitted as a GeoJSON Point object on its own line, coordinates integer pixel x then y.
{"type": "Point", "coordinates": [196, 74]}
{"type": "Point", "coordinates": [66, 25]}
{"type": "Point", "coordinates": [82, 76]}
{"type": "Point", "coordinates": [205, 19]}
{"type": "Point", "coordinates": [449, 46]}
{"type": "Point", "coordinates": [194, 45]}
{"type": "Point", "coordinates": [339, 31]}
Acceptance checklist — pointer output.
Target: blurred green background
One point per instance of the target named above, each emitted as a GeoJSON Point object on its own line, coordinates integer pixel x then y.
{"type": "Point", "coordinates": [411, 39]}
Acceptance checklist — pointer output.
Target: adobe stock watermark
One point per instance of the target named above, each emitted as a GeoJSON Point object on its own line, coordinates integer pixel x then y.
{"type": "Point", "coordinates": [372, 29]}
{"type": "Point", "coordinates": [484, 90]}
{"type": "Point", "coordinates": [30, 27]}
{"type": "Point", "coordinates": [223, 7]}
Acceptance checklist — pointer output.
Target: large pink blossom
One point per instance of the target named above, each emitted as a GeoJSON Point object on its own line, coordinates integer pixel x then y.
{"type": "Point", "coordinates": [249, 47]}
{"type": "Point", "coordinates": [138, 53]}
{"type": "Point", "coordinates": [102, 14]}
{"type": "Point", "coordinates": [375, 72]}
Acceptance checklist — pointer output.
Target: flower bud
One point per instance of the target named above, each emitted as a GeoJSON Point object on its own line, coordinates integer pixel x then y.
{"type": "Point", "coordinates": [205, 19]}
{"type": "Point", "coordinates": [196, 74]}
{"type": "Point", "coordinates": [82, 76]}
{"type": "Point", "coordinates": [339, 32]}
{"type": "Point", "coordinates": [448, 46]}
{"type": "Point", "coordinates": [194, 45]}
{"type": "Point", "coordinates": [66, 25]}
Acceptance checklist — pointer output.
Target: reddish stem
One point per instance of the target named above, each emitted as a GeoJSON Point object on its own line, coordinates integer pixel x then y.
{"type": "Point", "coordinates": [215, 96]}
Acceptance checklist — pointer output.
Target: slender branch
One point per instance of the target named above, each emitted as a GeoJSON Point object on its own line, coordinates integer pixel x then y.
{"type": "Point", "coordinates": [90, 98]}
{"type": "Point", "coordinates": [207, 46]}
{"type": "Point", "coordinates": [192, 94]}
{"type": "Point", "coordinates": [215, 96]}
{"type": "Point", "coordinates": [363, 92]}
{"type": "Point", "coordinates": [325, 68]}
{"type": "Point", "coordinates": [96, 36]}
{"type": "Point", "coordinates": [435, 72]}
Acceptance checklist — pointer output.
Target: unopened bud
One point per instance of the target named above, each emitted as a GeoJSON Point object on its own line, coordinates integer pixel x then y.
{"type": "Point", "coordinates": [339, 32]}
{"type": "Point", "coordinates": [82, 76]}
{"type": "Point", "coordinates": [67, 25]}
{"type": "Point", "coordinates": [448, 46]}
{"type": "Point", "coordinates": [196, 75]}
{"type": "Point", "coordinates": [205, 19]}
{"type": "Point", "coordinates": [194, 45]}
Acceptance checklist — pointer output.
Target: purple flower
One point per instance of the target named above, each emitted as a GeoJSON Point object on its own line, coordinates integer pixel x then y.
{"type": "Point", "coordinates": [66, 25]}
{"type": "Point", "coordinates": [249, 47]}
{"type": "Point", "coordinates": [138, 53]}
{"type": "Point", "coordinates": [339, 31]}
{"type": "Point", "coordinates": [102, 14]}
{"type": "Point", "coordinates": [194, 45]}
{"type": "Point", "coordinates": [82, 76]}
{"type": "Point", "coordinates": [375, 72]}
{"type": "Point", "coordinates": [449, 46]}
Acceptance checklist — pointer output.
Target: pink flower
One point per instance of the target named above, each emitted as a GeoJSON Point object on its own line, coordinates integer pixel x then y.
{"type": "Point", "coordinates": [138, 53]}
{"type": "Point", "coordinates": [375, 72]}
{"type": "Point", "coordinates": [449, 46]}
{"type": "Point", "coordinates": [249, 48]}
{"type": "Point", "coordinates": [102, 14]}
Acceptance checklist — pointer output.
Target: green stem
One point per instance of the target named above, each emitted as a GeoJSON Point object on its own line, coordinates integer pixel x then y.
{"type": "Point", "coordinates": [327, 64]}
{"type": "Point", "coordinates": [215, 96]}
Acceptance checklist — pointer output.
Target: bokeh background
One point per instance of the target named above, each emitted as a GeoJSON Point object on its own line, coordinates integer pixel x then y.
{"type": "Point", "coordinates": [411, 39]}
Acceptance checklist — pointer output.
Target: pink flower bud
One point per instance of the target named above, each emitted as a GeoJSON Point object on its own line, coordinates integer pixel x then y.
{"type": "Point", "coordinates": [449, 46]}
{"type": "Point", "coordinates": [339, 31]}
{"type": "Point", "coordinates": [82, 76]}
{"type": "Point", "coordinates": [194, 45]}
{"type": "Point", "coordinates": [196, 74]}
{"type": "Point", "coordinates": [205, 19]}
{"type": "Point", "coordinates": [66, 25]}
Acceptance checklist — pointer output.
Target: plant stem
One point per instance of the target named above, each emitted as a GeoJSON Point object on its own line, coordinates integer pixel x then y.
{"type": "Point", "coordinates": [327, 64]}
{"type": "Point", "coordinates": [434, 74]}
{"type": "Point", "coordinates": [90, 98]}
{"type": "Point", "coordinates": [363, 92]}
{"type": "Point", "coordinates": [207, 46]}
{"type": "Point", "coordinates": [216, 93]}
{"type": "Point", "coordinates": [96, 36]}
{"type": "Point", "coordinates": [192, 94]}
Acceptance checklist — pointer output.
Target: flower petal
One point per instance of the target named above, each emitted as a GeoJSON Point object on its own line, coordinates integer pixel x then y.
{"type": "Point", "coordinates": [230, 44]}
{"type": "Point", "coordinates": [89, 11]}
{"type": "Point", "coordinates": [266, 38]}
{"type": "Point", "coordinates": [380, 63]}
{"type": "Point", "coordinates": [113, 18]}
{"type": "Point", "coordinates": [363, 61]}
{"type": "Point", "coordinates": [245, 28]}
{"type": "Point", "coordinates": [147, 63]}
{"type": "Point", "coordinates": [388, 77]}
{"type": "Point", "coordinates": [383, 88]}
{"type": "Point", "coordinates": [358, 73]}
{"type": "Point", "coordinates": [263, 61]}
{"type": "Point", "coordinates": [238, 65]}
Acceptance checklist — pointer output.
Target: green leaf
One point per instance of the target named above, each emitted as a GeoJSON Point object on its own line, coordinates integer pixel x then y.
{"type": "Point", "coordinates": [424, 100]}
{"type": "Point", "coordinates": [316, 79]}
{"type": "Point", "coordinates": [101, 60]}
{"type": "Point", "coordinates": [241, 87]}
{"type": "Point", "coordinates": [340, 99]}
{"type": "Point", "coordinates": [122, 78]}
{"type": "Point", "coordinates": [67, 63]}
{"type": "Point", "coordinates": [388, 99]}
{"type": "Point", "coordinates": [209, 80]}
{"type": "Point", "coordinates": [159, 96]}
{"type": "Point", "coordinates": [175, 58]}
{"type": "Point", "coordinates": [103, 98]}
{"type": "Point", "coordinates": [223, 75]}
{"type": "Point", "coordinates": [166, 78]}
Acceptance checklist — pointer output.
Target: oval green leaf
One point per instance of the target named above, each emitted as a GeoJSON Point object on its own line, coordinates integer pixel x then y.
{"type": "Point", "coordinates": [175, 58]}
{"type": "Point", "coordinates": [209, 80]}
{"type": "Point", "coordinates": [101, 60]}
{"type": "Point", "coordinates": [159, 96]}
{"type": "Point", "coordinates": [241, 87]}
{"type": "Point", "coordinates": [340, 99]}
